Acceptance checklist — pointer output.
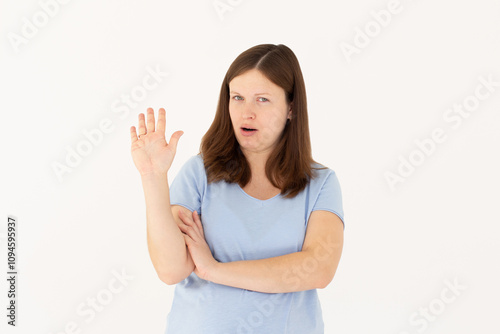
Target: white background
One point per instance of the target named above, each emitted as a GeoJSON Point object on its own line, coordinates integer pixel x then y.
{"type": "Point", "coordinates": [402, 243]}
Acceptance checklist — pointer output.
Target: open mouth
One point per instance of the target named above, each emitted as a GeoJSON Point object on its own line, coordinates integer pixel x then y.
{"type": "Point", "coordinates": [248, 130]}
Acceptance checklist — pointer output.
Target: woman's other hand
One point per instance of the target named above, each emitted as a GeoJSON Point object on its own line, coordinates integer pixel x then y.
{"type": "Point", "coordinates": [198, 248]}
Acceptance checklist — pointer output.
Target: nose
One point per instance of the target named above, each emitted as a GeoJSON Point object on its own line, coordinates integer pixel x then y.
{"type": "Point", "coordinates": [248, 112]}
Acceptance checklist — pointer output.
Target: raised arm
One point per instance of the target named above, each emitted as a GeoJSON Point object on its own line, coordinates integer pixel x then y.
{"type": "Point", "coordinates": [153, 157]}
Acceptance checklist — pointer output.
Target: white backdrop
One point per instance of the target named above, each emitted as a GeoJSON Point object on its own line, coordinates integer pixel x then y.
{"type": "Point", "coordinates": [403, 101]}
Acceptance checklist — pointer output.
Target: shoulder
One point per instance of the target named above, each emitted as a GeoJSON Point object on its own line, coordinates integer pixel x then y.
{"type": "Point", "coordinates": [324, 180]}
{"type": "Point", "coordinates": [321, 173]}
{"type": "Point", "coordinates": [195, 161]}
{"type": "Point", "coordinates": [194, 166]}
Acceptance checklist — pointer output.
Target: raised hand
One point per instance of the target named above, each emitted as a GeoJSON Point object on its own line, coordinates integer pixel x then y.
{"type": "Point", "coordinates": [150, 151]}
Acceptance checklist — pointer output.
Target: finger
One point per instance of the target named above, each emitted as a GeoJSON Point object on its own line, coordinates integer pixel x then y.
{"type": "Point", "coordinates": [174, 139]}
{"type": "Point", "coordinates": [151, 120]}
{"type": "Point", "coordinates": [183, 217]}
{"type": "Point", "coordinates": [190, 226]}
{"type": "Point", "coordinates": [186, 220]}
{"type": "Point", "coordinates": [133, 134]}
{"type": "Point", "coordinates": [187, 240]}
{"type": "Point", "coordinates": [142, 127]}
{"type": "Point", "coordinates": [185, 229]}
{"type": "Point", "coordinates": [161, 120]}
{"type": "Point", "coordinates": [197, 220]}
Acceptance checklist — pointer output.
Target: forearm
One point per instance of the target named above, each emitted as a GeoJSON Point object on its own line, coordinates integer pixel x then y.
{"type": "Point", "coordinates": [286, 273]}
{"type": "Point", "coordinates": [166, 244]}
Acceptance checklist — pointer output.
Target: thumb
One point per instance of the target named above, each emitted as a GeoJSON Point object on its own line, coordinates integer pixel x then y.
{"type": "Point", "coordinates": [174, 139]}
{"type": "Point", "coordinates": [187, 239]}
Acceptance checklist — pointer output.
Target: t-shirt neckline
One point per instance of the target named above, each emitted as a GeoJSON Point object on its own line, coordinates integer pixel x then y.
{"type": "Point", "coordinates": [256, 199]}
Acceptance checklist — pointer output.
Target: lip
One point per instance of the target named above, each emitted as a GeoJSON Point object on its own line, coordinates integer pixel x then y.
{"type": "Point", "coordinates": [247, 134]}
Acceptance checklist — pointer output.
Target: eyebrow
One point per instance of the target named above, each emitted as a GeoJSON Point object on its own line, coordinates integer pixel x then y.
{"type": "Point", "coordinates": [232, 92]}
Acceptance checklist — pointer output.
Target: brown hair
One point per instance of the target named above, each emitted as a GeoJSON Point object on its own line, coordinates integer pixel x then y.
{"type": "Point", "coordinates": [289, 166]}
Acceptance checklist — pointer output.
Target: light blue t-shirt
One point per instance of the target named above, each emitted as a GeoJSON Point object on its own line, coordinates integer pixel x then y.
{"type": "Point", "coordinates": [237, 227]}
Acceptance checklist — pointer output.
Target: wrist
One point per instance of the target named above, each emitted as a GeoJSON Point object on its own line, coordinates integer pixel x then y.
{"type": "Point", "coordinates": [213, 271]}
{"type": "Point", "coordinates": [154, 175]}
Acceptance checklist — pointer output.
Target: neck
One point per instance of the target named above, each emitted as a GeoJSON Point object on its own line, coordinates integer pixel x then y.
{"type": "Point", "coordinates": [257, 162]}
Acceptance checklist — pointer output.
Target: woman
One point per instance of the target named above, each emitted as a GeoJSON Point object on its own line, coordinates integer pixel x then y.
{"type": "Point", "coordinates": [254, 224]}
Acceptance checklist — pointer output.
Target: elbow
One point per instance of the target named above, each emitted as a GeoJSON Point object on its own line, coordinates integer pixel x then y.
{"type": "Point", "coordinates": [326, 274]}
{"type": "Point", "coordinates": [323, 283]}
{"type": "Point", "coordinates": [324, 279]}
{"type": "Point", "coordinates": [169, 279]}
{"type": "Point", "coordinates": [172, 277]}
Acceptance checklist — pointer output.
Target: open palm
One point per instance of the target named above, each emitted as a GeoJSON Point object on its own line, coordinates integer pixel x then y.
{"type": "Point", "coordinates": [150, 151]}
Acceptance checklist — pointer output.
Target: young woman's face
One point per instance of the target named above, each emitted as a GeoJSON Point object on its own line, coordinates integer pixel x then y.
{"type": "Point", "coordinates": [256, 102]}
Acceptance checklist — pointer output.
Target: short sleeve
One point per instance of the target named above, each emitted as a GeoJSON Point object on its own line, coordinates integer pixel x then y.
{"type": "Point", "coordinates": [188, 186]}
{"type": "Point", "coordinates": [330, 197]}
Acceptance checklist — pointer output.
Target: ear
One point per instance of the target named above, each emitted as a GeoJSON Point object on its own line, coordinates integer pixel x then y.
{"type": "Point", "coordinates": [290, 110]}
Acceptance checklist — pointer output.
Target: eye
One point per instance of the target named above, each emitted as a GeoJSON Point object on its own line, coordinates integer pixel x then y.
{"type": "Point", "coordinates": [263, 98]}
{"type": "Point", "coordinates": [237, 98]}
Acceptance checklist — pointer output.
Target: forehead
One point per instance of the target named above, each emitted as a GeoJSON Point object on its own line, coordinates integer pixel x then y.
{"type": "Point", "coordinates": [253, 81]}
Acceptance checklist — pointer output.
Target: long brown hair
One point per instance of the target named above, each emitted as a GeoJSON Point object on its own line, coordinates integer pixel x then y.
{"type": "Point", "coordinates": [289, 166]}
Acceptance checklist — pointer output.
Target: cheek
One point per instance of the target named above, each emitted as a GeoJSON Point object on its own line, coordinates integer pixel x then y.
{"type": "Point", "coordinates": [277, 121]}
{"type": "Point", "coordinates": [231, 114]}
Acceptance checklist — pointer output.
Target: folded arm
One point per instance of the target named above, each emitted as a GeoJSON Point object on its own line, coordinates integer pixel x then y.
{"type": "Point", "coordinates": [312, 267]}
